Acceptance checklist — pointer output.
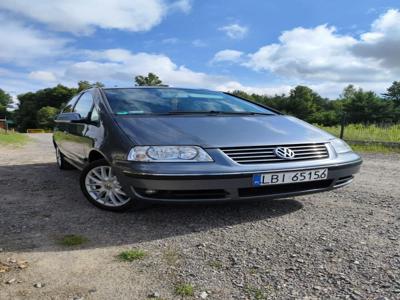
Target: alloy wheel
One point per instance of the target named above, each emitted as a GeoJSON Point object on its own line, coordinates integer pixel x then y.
{"type": "Point", "coordinates": [103, 187]}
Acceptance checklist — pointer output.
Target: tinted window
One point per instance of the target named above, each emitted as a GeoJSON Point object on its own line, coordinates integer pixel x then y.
{"type": "Point", "coordinates": [70, 105]}
{"type": "Point", "coordinates": [158, 100]}
{"type": "Point", "coordinates": [84, 105]}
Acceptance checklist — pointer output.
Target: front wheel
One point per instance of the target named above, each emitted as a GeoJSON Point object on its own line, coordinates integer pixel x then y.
{"type": "Point", "coordinates": [102, 188]}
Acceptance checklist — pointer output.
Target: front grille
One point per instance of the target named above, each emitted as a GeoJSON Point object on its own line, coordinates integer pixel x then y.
{"type": "Point", "coordinates": [266, 154]}
{"type": "Point", "coordinates": [284, 188]}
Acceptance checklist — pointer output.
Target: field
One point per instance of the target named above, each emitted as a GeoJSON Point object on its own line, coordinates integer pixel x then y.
{"type": "Point", "coordinates": [369, 138]}
{"type": "Point", "coordinates": [13, 138]}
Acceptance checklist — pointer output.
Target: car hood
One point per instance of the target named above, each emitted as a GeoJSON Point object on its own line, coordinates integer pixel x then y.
{"type": "Point", "coordinates": [219, 131]}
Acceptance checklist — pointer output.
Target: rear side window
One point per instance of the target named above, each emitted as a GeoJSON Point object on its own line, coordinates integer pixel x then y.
{"type": "Point", "coordinates": [84, 105]}
{"type": "Point", "coordinates": [70, 105]}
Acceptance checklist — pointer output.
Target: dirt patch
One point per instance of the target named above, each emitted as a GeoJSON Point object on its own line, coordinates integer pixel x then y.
{"type": "Point", "coordinates": [340, 244]}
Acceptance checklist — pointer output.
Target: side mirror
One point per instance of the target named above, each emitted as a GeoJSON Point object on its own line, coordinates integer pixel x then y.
{"type": "Point", "coordinates": [70, 117]}
{"type": "Point", "coordinates": [80, 120]}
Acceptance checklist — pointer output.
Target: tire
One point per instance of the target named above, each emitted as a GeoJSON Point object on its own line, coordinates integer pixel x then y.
{"type": "Point", "coordinates": [97, 181]}
{"type": "Point", "coordinates": [61, 162]}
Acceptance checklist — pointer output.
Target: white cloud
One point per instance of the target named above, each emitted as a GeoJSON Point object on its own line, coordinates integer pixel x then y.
{"type": "Point", "coordinates": [83, 17]}
{"type": "Point", "coordinates": [42, 76]}
{"type": "Point", "coordinates": [227, 55]}
{"type": "Point", "coordinates": [234, 31]}
{"type": "Point", "coordinates": [322, 54]}
{"type": "Point", "coordinates": [120, 66]}
{"type": "Point", "coordinates": [383, 41]}
{"type": "Point", "coordinates": [199, 43]}
{"type": "Point", "coordinates": [170, 41]}
{"type": "Point", "coordinates": [183, 5]}
{"type": "Point", "coordinates": [261, 90]}
{"type": "Point", "coordinates": [21, 44]}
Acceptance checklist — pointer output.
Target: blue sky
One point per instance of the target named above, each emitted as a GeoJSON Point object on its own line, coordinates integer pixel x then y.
{"type": "Point", "coordinates": [258, 46]}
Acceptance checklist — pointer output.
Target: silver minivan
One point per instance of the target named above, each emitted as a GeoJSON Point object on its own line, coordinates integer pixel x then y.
{"type": "Point", "coordinates": [157, 144]}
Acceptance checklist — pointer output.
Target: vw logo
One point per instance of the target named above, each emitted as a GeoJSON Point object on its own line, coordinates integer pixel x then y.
{"type": "Point", "coordinates": [284, 153]}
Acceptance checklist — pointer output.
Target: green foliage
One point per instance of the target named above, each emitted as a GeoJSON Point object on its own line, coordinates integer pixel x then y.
{"type": "Point", "coordinates": [366, 107]}
{"type": "Point", "coordinates": [26, 116]}
{"type": "Point", "coordinates": [393, 93]}
{"type": "Point", "coordinates": [150, 80]}
{"type": "Point", "coordinates": [216, 264]}
{"type": "Point", "coordinates": [31, 103]}
{"type": "Point", "coordinates": [302, 102]}
{"type": "Point", "coordinates": [13, 138]}
{"type": "Point", "coordinates": [5, 98]}
{"type": "Point", "coordinates": [84, 85]}
{"type": "Point", "coordinates": [255, 293]}
{"type": "Point", "coordinates": [360, 132]}
{"type": "Point", "coordinates": [358, 106]}
{"type": "Point", "coordinates": [184, 290]}
{"type": "Point", "coordinates": [45, 117]}
{"type": "Point", "coordinates": [5, 101]}
{"type": "Point", "coordinates": [131, 255]}
{"type": "Point", "coordinates": [70, 240]}
{"type": "Point", "coordinates": [374, 148]}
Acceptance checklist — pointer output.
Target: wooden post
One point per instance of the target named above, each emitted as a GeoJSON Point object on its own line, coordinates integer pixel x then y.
{"type": "Point", "coordinates": [342, 125]}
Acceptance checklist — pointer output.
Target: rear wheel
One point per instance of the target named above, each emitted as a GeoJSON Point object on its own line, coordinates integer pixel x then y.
{"type": "Point", "coordinates": [102, 188]}
{"type": "Point", "coordinates": [61, 162]}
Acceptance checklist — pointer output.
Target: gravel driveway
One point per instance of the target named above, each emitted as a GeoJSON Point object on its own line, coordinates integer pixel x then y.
{"type": "Point", "coordinates": [342, 244]}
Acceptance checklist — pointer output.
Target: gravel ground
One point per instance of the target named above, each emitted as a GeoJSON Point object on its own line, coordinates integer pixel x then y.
{"type": "Point", "coordinates": [342, 244]}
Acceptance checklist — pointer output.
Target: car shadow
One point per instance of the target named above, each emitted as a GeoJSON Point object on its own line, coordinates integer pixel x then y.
{"type": "Point", "coordinates": [39, 204]}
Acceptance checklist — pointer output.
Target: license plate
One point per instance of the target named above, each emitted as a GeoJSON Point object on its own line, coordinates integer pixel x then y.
{"type": "Point", "coordinates": [290, 177]}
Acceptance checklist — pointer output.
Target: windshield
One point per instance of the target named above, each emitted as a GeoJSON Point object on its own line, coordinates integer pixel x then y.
{"type": "Point", "coordinates": [177, 101]}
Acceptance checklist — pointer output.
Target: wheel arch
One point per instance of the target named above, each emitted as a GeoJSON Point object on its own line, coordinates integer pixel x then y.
{"type": "Point", "coordinates": [95, 154]}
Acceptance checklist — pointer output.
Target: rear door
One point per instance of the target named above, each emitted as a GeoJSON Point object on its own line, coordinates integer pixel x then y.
{"type": "Point", "coordinates": [77, 135]}
{"type": "Point", "coordinates": [62, 129]}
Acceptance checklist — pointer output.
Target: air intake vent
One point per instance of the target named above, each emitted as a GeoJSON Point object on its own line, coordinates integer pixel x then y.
{"type": "Point", "coordinates": [266, 154]}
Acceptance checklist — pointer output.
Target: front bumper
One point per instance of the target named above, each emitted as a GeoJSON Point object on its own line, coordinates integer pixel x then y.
{"type": "Point", "coordinates": [210, 182]}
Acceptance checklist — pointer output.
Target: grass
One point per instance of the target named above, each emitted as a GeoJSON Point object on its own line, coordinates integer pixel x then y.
{"type": "Point", "coordinates": [70, 240]}
{"type": "Point", "coordinates": [171, 256]}
{"type": "Point", "coordinates": [216, 264]}
{"type": "Point", "coordinates": [184, 290]}
{"type": "Point", "coordinates": [369, 133]}
{"type": "Point", "coordinates": [131, 255]}
{"type": "Point", "coordinates": [374, 148]}
{"type": "Point", "coordinates": [359, 132]}
{"type": "Point", "coordinates": [13, 138]}
{"type": "Point", "coordinates": [254, 293]}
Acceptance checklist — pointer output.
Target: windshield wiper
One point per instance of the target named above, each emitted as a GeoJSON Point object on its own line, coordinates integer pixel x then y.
{"type": "Point", "coordinates": [216, 112]}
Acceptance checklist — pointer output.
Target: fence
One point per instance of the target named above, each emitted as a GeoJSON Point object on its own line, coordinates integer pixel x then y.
{"type": "Point", "coordinates": [380, 134]}
{"type": "Point", "coordinates": [35, 131]}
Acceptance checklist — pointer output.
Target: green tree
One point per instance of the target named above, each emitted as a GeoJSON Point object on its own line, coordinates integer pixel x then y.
{"type": "Point", "coordinates": [393, 93]}
{"type": "Point", "coordinates": [366, 107]}
{"type": "Point", "coordinates": [5, 101]}
{"type": "Point", "coordinates": [84, 85]}
{"type": "Point", "coordinates": [5, 98]}
{"type": "Point", "coordinates": [30, 103]}
{"type": "Point", "coordinates": [150, 80]}
{"type": "Point", "coordinates": [302, 102]}
{"type": "Point", "coordinates": [45, 117]}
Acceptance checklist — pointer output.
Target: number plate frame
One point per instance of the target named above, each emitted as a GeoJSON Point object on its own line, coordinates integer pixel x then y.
{"type": "Point", "coordinates": [274, 178]}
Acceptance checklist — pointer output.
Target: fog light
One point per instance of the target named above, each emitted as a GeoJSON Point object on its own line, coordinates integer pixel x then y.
{"type": "Point", "coordinates": [150, 192]}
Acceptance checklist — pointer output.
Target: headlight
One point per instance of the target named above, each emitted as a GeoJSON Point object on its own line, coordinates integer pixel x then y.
{"type": "Point", "coordinates": [340, 146]}
{"type": "Point", "coordinates": [168, 154]}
